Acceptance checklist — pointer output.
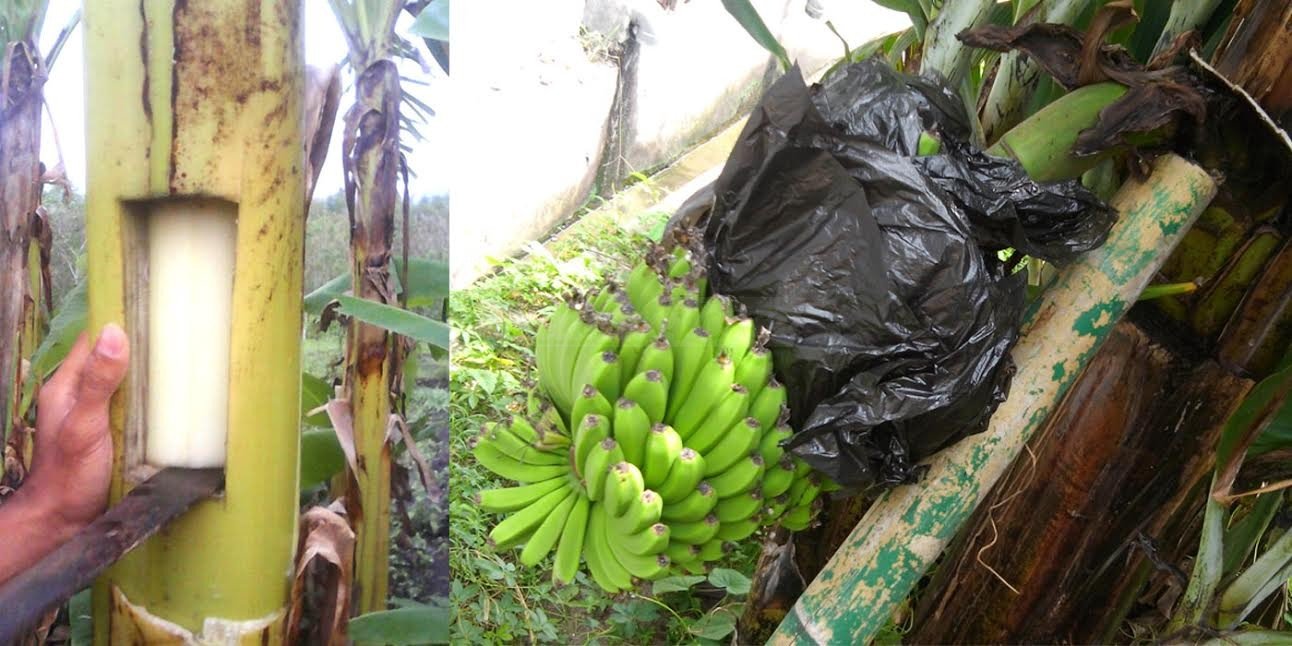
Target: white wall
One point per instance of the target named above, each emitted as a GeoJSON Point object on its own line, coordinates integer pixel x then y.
{"type": "Point", "coordinates": [533, 89]}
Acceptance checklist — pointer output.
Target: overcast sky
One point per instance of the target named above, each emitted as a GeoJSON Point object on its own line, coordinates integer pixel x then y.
{"type": "Point", "coordinates": [324, 45]}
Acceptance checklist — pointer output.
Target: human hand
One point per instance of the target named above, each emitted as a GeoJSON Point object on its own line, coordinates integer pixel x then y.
{"type": "Point", "coordinates": [72, 461]}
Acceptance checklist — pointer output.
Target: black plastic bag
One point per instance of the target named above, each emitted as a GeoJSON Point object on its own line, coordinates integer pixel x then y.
{"type": "Point", "coordinates": [876, 271]}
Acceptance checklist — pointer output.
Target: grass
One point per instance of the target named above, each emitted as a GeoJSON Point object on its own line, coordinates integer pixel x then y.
{"type": "Point", "coordinates": [495, 599]}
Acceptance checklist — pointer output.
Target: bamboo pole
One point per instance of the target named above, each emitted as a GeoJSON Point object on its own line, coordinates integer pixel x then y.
{"type": "Point", "coordinates": [195, 107]}
{"type": "Point", "coordinates": [907, 529]}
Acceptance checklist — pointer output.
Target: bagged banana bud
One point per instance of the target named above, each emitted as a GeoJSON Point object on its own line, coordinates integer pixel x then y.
{"type": "Point", "coordinates": [874, 264]}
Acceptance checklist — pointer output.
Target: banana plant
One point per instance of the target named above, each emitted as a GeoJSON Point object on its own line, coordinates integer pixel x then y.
{"type": "Point", "coordinates": [372, 162]}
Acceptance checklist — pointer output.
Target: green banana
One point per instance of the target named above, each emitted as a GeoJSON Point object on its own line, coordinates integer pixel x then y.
{"type": "Point", "coordinates": [775, 508]}
{"type": "Point", "coordinates": [488, 455]}
{"type": "Point", "coordinates": [566, 564]}
{"type": "Point", "coordinates": [604, 301]}
{"type": "Point", "coordinates": [643, 285]}
{"type": "Point", "coordinates": [714, 550]}
{"type": "Point", "coordinates": [711, 383]}
{"type": "Point", "coordinates": [737, 339]}
{"type": "Point", "coordinates": [565, 350]}
{"type": "Point", "coordinates": [603, 454]}
{"type": "Point", "coordinates": [656, 312]}
{"type": "Point", "coordinates": [738, 443]}
{"type": "Point", "coordinates": [552, 354]}
{"type": "Point", "coordinates": [779, 477]}
{"type": "Point", "coordinates": [605, 568]}
{"type": "Point", "coordinates": [643, 511]}
{"type": "Point", "coordinates": [713, 316]}
{"type": "Point", "coordinates": [797, 518]}
{"type": "Point", "coordinates": [770, 446]}
{"type": "Point", "coordinates": [544, 538]}
{"type": "Point", "coordinates": [513, 498]}
{"type": "Point", "coordinates": [623, 486]}
{"type": "Point", "coordinates": [766, 407]}
{"type": "Point", "coordinates": [516, 527]}
{"type": "Point", "coordinates": [738, 508]}
{"type": "Point", "coordinates": [550, 440]}
{"type": "Point", "coordinates": [650, 540]}
{"type": "Point", "coordinates": [682, 553]}
{"type": "Point", "coordinates": [740, 530]}
{"type": "Point", "coordinates": [624, 312]}
{"type": "Point", "coordinates": [689, 355]}
{"type": "Point", "coordinates": [521, 428]}
{"type": "Point", "coordinates": [754, 370]}
{"type": "Point", "coordinates": [683, 476]}
{"type": "Point", "coordinates": [636, 338]}
{"type": "Point", "coordinates": [731, 408]}
{"type": "Point", "coordinates": [663, 446]}
{"type": "Point", "coordinates": [550, 423]}
{"type": "Point", "coordinates": [680, 290]}
{"type": "Point", "coordinates": [693, 507]}
{"type": "Point", "coordinates": [738, 479]}
{"type": "Point", "coordinates": [808, 492]}
{"type": "Point", "coordinates": [603, 373]}
{"type": "Point", "coordinates": [801, 468]}
{"type": "Point", "coordinates": [695, 533]}
{"type": "Point", "coordinates": [650, 391]}
{"type": "Point", "coordinates": [591, 431]}
{"type": "Point", "coordinates": [510, 445]}
{"type": "Point", "coordinates": [645, 567]}
{"type": "Point", "coordinates": [693, 567]}
{"type": "Point", "coordinates": [828, 485]}
{"type": "Point", "coordinates": [680, 266]}
{"type": "Point", "coordinates": [657, 356]}
{"type": "Point", "coordinates": [683, 317]}
{"type": "Point", "coordinates": [590, 401]}
{"type": "Point", "coordinates": [631, 427]}
{"type": "Point", "coordinates": [588, 362]}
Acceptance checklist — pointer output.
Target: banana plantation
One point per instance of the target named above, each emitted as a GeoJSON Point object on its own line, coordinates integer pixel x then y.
{"type": "Point", "coordinates": [277, 458]}
{"type": "Point", "coordinates": [980, 333]}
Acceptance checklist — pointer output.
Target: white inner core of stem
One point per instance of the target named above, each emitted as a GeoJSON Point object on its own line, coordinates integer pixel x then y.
{"type": "Point", "coordinates": [191, 248]}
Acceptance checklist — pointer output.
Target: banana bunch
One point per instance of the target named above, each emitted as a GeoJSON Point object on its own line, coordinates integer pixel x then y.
{"type": "Point", "coordinates": [658, 444]}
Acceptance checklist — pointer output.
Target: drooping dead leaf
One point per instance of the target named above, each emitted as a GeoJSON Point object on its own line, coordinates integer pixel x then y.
{"type": "Point", "coordinates": [57, 176]}
{"type": "Point", "coordinates": [1160, 92]}
{"type": "Point", "coordinates": [321, 587]}
{"type": "Point", "coordinates": [329, 315]}
{"type": "Point", "coordinates": [1143, 108]}
{"type": "Point", "coordinates": [1223, 491]}
{"type": "Point", "coordinates": [1108, 19]}
{"type": "Point", "coordinates": [1055, 48]}
{"type": "Point", "coordinates": [322, 99]}
{"type": "Point", "coordinates": [338, 412]}
{"type": "Point", "coordinates": [400, 425]}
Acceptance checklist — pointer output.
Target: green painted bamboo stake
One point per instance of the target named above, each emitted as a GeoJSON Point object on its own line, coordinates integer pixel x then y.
{"type": "Point", "coordinates": [905, 531]}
